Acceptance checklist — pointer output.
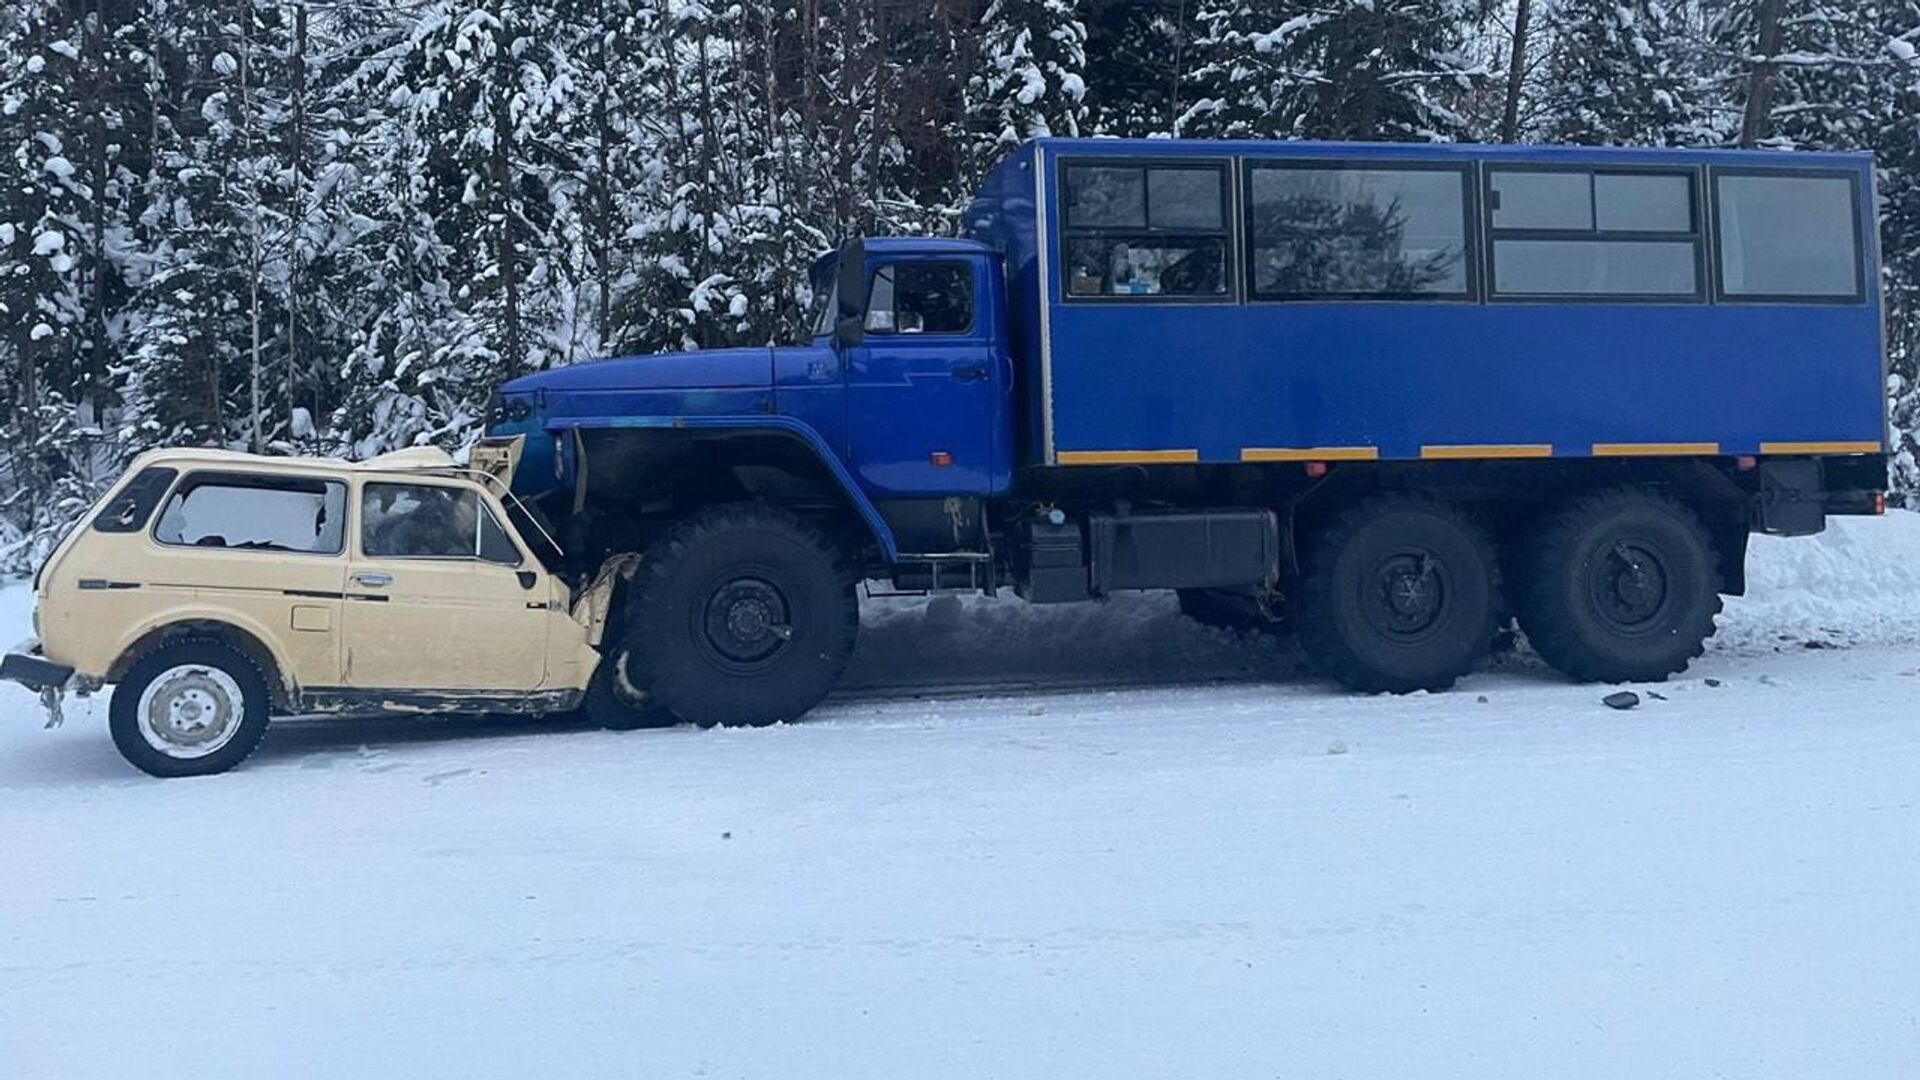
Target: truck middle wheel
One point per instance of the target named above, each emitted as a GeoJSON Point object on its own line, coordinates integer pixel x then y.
{"type": "Point", "coordinates": [743, 614]}
{"type": "Point", "coordinates": [1620, 586]}
{"type": "Point", "coordinates": [1400, 593]}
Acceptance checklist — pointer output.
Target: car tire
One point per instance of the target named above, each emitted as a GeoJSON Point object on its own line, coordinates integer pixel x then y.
{"type": "Point", "coordinates": [612, 701]}
{"type": "Point", "coordinates": [743, 614]}
{"type": "Point", "coordinates": [1227, 611]}
{"type": "Point", "coordinates": [1620, 586]}
{"type": "Point", "coordinates": [1400, 593]}
{"type": "Point", "coordinates": [190, 708]}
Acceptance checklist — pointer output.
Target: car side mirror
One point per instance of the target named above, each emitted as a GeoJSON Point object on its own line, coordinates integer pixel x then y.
{"type": "Point", "coordinates": [527, 578]}
{"type": "Point", "coordinates": [850, 287]}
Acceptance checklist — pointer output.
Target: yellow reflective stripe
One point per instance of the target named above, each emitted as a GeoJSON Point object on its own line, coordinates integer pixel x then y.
{"type": "Point", "coordinates": [1493, 450]}
{"type": "Point", "coordinates": [1128, 457]}
{"type": "Point", "coordinates": [1653, 449]}
{"type": "Point", "coordinates": [1820, 448]}
{"type": "Point", "coordinates": [1310, 453]}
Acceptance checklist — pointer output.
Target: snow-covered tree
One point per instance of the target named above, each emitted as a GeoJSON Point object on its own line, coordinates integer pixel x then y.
{"type": "Point", "coordinates": [1031, 79]}
{"type": "Point", "coordinates": [1616, 75]}
{"type": "Point", "coordinates": [1331, 69]}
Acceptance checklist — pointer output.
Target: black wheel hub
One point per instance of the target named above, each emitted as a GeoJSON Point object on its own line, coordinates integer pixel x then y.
{"type": "Point", "coordinates": [747, 621]}
{"type": "Point", "coordinates": [1409, 594]}
{"type": "Point", "coordinates": [1627, 584]}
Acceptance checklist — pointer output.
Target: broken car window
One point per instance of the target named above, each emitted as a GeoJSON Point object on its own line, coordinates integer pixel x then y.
{"type": "Point", "coordinates": [431, 521]}
{"type": "Point", "coordinates": [255, 513]}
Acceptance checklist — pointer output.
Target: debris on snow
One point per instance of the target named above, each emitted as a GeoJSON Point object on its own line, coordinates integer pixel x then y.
{"type": "Point", "coordinates": [1624, 699]}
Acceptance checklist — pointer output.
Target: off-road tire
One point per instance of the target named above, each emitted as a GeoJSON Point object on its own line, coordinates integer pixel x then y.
{"type": "Point", "coordinates": [123, 712]}
{"type": "Point", "coordinates": [1587, 612]}
{"type": "Point", "coordinates": [1226, 611]}
{"type": "Point", "coordinates": [1399, 593]}
{"type": "Point", "coordinates": [701, 605]}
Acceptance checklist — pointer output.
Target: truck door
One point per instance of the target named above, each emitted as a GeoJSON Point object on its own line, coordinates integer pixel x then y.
{"type": "Point", "coordinates": [924, 388]}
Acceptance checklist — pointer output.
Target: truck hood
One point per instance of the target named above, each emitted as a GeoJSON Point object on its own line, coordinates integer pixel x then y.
{"type": "Point", "coordinates": [695, 370]}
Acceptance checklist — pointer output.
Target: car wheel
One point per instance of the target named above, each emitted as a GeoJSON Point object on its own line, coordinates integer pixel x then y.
{"type": "Point", "coordinates": [1620, 586]}
{"type": "Point", "coordinates": [744, 614]}
{"type": "Point", "coordinates": [613, 701]}
{"type": "Point", "coordinates": [1399, 594]}
{"type": "Point", "coordinates": [191, 708]}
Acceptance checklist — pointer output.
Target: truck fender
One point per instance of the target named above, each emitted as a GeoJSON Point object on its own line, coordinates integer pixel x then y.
{"type": "Point", "coordinates": [785, 425]}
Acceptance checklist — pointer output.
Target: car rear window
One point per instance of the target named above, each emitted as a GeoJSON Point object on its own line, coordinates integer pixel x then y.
{"type": "Point", "coordinates": [256, 513]}
{"type": "Point", "coordinates": [129, 510]}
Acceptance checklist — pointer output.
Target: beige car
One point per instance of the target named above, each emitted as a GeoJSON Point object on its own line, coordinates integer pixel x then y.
{"type": "Point", "coordinates": [215, 589]}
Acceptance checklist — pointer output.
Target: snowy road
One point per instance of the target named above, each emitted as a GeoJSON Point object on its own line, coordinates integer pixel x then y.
{"type": "Point", "coordinates": [1228, 870]}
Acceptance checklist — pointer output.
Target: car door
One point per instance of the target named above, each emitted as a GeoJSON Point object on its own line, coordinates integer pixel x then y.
{"type": "Point", "coordinates": [439, 596]}
{"type": "Point", "coordinates": [923, 388]}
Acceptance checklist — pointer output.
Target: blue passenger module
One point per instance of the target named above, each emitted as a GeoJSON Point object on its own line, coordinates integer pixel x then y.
{"type": "Point", "coordinates": [1176, 301]}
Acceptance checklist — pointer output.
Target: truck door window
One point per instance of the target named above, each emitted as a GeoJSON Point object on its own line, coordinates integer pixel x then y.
{"type": "Point", "coordinates": [1325, 231]}
{"type": "Point", "coordinates": [431, 521]}
{"type": "Point", "coordinates": [1145, 230]}
{"type": "Point", "coordinates": [921, 298]}
{"type": "Point", "coordinates": [255, 513]}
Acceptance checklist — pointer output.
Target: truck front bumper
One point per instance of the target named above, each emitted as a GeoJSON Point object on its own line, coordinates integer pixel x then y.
{"type": "Point", "coordinates": [26, 666]}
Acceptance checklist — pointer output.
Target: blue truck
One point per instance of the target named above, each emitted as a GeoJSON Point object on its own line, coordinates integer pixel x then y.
{"type": "Point", "coordinates": [1389, 397]}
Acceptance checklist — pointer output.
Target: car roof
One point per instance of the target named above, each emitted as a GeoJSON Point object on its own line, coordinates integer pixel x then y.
{"type": "Point", "coordinates": [413, 459]}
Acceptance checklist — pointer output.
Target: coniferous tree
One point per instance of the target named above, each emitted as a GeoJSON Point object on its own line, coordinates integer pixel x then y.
{"type": "Point", "coordinates": [1615, 75]}
{"type": "Point", "coordinates": [1031, 80]}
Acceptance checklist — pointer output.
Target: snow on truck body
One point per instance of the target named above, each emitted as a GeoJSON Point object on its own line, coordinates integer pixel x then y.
{"type": "Point", "coordinates": [1388, 394]}
{"type": "Point", "coordinates": [217, 588]}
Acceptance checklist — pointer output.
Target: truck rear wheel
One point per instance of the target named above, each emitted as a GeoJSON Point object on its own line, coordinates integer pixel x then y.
{"type": "Point", "coordinates": [744, 614]}
{"type": "Point", "coordinates": [1400, 593]}
{"type": "Point", "coordinates": [1620, 586]}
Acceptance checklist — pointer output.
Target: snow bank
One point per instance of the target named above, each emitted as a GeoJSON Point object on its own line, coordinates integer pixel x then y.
{"type": "Point", "coordinates": [1856, 583]}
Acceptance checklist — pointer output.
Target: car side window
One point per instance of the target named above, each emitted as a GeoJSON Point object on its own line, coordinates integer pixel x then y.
{"type": "Point", "coordinates": [129, 510]}
{"type": "Point", "coordinates": [921, 298]}
{"type": "Point", "coordinates": [431, 521]}
{"type": "Point", "coordinates": [240, 512]}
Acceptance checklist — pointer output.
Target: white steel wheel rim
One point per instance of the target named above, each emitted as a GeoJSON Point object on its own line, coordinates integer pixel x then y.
{"type": "Point", "coordinates": [190, 711]}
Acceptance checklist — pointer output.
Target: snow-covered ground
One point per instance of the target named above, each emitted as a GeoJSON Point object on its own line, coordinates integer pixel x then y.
{"type": "Point", "coordinates": [1152, 851]}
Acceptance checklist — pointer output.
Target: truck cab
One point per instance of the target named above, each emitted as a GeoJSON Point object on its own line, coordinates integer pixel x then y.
{"type": "Point", "coordinates": [898, 408]}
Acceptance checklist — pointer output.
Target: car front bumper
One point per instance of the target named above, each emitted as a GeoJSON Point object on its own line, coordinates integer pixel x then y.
{"type": "Point", "coordinates": [28, 667]}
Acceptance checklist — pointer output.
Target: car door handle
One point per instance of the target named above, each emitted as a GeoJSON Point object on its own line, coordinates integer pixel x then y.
{"type": "Point", "coordinates": [971, 372]}
{"type": "Point", "coordinates": [373, 581]}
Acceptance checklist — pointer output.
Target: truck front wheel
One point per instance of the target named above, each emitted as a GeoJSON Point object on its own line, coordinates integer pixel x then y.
{"type": "Point", "coordinates": [1620, 586]}
{"type": "Point", "coordinates": [743, 614]}
{"type": "Point", "coordinates": [1400, 593]}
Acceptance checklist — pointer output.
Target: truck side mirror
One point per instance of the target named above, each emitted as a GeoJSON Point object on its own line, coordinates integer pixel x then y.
{"type": "Point", "coordinates": [850, 286]}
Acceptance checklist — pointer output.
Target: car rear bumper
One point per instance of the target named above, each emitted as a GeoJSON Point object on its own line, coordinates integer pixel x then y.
{"type": "Point", "coordinates": [26, 666]}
